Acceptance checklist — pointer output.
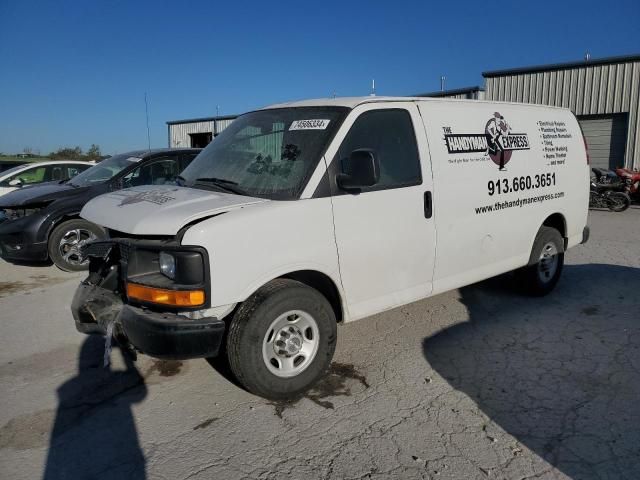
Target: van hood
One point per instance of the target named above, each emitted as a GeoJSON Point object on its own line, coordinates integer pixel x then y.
{"type": "Point", "coordinates": [159, 210]}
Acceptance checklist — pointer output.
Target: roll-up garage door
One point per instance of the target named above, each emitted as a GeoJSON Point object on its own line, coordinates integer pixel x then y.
{"type": "Point", "coordinates": [606, 137]}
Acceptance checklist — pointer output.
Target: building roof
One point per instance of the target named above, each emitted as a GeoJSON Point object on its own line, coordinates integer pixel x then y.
{"type": "Point", "coordinates": [563, 66]}
{"type": "Point", "coordinates": [446, 93]}
{"type": "Point", "coordinates": [203, 119]}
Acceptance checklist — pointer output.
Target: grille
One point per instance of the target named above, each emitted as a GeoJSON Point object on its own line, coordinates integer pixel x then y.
{"type": "Point", "coordinates": [97, 249]}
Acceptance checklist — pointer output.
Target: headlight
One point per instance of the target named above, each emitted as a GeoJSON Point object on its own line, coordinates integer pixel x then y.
{"type": "Point", "coordinates": [15, 213]}
{"type": "Point", "coordinates": [167, 265]}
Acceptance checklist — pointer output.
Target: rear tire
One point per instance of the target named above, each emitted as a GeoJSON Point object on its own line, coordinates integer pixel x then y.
{"type": "Point", "coordinates": [541, 277]}
{"type": "Point", "coordinates": [66, 240]}
{"type": "Point", "coordinates": [618, 201]}
{"type": "Point", "coordinates": [282, 339]}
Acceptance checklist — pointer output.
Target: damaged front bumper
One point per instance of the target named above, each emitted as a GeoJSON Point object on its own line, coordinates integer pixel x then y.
{"type": "Point", "coordinates": [158, 334]}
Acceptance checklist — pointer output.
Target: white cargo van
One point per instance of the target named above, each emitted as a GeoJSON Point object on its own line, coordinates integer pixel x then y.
{"type": "Point", "coordinates": [303, 215]}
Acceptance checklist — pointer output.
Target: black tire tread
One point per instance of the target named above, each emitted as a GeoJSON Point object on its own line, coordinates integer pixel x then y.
{"type": "Point", "coordinates": [528, 275]}
{"type": "Point", "coordinates": [239, 323]}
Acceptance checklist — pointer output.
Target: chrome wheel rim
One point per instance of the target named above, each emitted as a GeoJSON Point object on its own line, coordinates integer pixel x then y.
{"type": "Point", "coordinates": [290, 343]}
{"type": "Point", "coordinates": [71, 244]}
{"type": "Point", "coordinates": [548, 262]}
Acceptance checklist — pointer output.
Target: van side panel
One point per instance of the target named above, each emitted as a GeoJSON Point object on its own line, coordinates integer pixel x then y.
{"type": "Point", "coordinates": [487, 217]}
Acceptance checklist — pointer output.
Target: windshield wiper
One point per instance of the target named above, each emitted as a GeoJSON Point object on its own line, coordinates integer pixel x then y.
{"type": "Point", "coordinates": [220, 183]}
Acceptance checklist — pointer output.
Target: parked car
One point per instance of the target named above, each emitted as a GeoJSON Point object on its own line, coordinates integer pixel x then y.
{"type": "Point", "coordinates": [303, 215]}
{"type": "Point", "coordinates": [42, 222]}
{"type": "Point", "coordinates": [40, 172]}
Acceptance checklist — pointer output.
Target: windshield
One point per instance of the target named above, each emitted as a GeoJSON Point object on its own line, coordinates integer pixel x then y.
{"type": "Point", "coordinates": [103, 171]}
{"type": "Point", "coordinates": [268, 153]}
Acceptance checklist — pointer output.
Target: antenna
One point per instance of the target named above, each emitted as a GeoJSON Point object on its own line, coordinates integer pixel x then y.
{"type": "Point", "coordinates": [442, 80]}
{"type": "Point", "coordinates": [373, 87]}
{"type": "Point", "coordinates": [587, 56]}
{"type": "Point", "coordinates": [217, 110]}
{"type": "Point", "coordinates": [146, 109]}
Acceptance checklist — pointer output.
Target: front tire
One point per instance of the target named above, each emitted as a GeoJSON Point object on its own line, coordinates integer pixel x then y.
{"type": "Point", "coordinates": [282, 339]}
{"type": "Point", "coordinates": [540, 278]}
{"type": "Point", "coordinates": [67, 239]}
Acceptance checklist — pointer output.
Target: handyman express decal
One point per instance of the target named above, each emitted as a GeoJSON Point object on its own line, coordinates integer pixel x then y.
{"type": "Point", "coordinates": [498, 141]}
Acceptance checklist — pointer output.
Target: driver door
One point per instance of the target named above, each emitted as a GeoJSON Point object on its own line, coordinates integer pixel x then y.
{"type": "Point", "coordinates": [385, 242]}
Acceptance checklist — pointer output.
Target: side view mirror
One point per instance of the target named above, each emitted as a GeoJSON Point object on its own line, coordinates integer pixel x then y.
{"type": "Point", "coordinates": [117, 184]}
{"type": "Point", "coordinates": [16, 182]}
{"type": "Point", "coordinates": [363, 170]}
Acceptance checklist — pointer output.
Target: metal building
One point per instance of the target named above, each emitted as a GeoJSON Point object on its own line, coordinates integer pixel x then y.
{"type": "Point", "coordinates": [604, 94]}
{"type": "Point", "coordinates": [467, 93]}
{"type": "Point", "coordinates": [196, 132]}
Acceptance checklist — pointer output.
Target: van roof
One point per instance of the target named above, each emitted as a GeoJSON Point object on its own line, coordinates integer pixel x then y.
{"type": "Point", "coordinates": [352, 102]}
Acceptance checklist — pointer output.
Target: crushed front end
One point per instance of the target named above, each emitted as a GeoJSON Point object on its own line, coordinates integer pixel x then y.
{"type": "Point", "coordinates": [148, 290]}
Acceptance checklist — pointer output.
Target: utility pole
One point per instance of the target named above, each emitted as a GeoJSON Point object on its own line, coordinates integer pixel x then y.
{"type": "Point", "coordinates": [146, 109]}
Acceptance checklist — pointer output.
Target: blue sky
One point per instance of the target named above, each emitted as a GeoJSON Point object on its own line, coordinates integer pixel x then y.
{"type": "Point", "coordinates": [75, 72]}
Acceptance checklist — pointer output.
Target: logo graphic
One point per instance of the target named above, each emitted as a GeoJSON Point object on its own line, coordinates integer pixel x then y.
{"type": "Point", "coordinates": [158, 197]}
{"type": "Point", "coordinates": [497, 141]}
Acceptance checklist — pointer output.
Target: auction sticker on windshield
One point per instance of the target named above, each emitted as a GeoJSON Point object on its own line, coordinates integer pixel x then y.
{"type": "Point", "coordinates": [314, 124]}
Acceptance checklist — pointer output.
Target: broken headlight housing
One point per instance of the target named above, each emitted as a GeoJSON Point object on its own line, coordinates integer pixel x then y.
{"type": "Point", "coordinates": [16, 213]}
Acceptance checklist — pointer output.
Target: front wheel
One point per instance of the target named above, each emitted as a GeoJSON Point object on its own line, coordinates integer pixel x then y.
{"type": "Point", "coordinates": [618, 201]}
{"type": "Point", "coordinates": [541, 277]}
{"type": "Point", "coordinates": [282, 339]}
{"type": "Point", "coordinates": [67, 239]}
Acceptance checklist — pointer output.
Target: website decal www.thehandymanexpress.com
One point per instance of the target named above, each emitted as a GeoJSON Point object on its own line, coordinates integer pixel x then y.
{"type": "Point", "coordinates": [520, 202]}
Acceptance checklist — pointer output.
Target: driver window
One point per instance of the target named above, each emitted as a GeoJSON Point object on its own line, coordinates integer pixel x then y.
{"type": "Point", "coordinates": [389, 133]}
{"type": "Point", "coordinates": [159, 172]}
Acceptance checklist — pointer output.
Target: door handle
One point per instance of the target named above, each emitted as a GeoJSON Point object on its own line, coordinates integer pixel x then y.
{"type": "Point", "coordinates": [428, 205]}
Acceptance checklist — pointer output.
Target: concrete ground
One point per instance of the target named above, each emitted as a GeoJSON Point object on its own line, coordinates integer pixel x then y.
{"type": "Point", "coordinates": [477, 383]}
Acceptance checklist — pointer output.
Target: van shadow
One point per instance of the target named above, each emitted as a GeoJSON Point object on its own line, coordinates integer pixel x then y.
{"type": "Point", "coordinates": [94, 433]}
{"type": "Point", "coordinates": [561, 373]}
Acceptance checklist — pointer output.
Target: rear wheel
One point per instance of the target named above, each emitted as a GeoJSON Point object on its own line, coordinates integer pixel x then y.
{"type": "Point", "coordinates": [541, 277]}
{"type": "Point", "coordinates": [67, 239]}
{"type": "Point", "coordinates": [282, 339]}
{"type": "Point", "coordinates": [618, 201]}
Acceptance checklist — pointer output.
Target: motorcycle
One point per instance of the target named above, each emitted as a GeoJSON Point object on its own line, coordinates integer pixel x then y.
{"type": "Point", "coordinates": [603, 195]}
{"type": "Point", "coordinates": [632, 182]}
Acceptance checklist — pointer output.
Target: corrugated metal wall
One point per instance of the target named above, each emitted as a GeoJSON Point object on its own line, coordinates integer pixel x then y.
{"type": "Point", "coordinates": [479, 95]}
{"type": "Point", "coordinates": [586, 90]}
{"type": "Point", "coordinates": [456, 94]}
{"type": "Point", "coordinates": [222, 124]}
{"type": "Point", "coordinates": [179, 132]}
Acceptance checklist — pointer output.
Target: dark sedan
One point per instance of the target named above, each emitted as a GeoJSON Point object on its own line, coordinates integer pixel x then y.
{"type": "Point", "coordinates": [42, 222]}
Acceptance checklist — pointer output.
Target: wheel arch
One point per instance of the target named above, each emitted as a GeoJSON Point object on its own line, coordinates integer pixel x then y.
{"type": "Point", "coordinates": [61, 219]}
{"type": "Point", "coordinates": [559, 222]}
{"type": "Point", "coordinates": [322, 283]}
{"type": "Point", "coordinates": [556, 221]}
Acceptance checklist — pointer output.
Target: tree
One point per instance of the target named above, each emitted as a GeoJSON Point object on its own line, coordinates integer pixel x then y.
{"type": "Point", "coordinates": [67, 153]}
{"type": "Point", "coordinates": [94, 152]}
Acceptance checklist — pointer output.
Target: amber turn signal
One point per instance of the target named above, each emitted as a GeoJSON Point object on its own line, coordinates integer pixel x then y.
{"type": "Point", "coordinates": [176, 298]}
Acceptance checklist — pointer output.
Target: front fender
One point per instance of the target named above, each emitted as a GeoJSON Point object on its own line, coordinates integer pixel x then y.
{"type": "Point", "coordinates": [253, 245]}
